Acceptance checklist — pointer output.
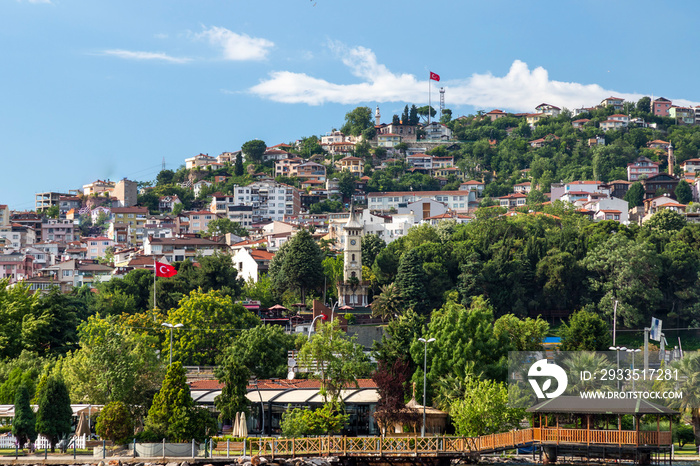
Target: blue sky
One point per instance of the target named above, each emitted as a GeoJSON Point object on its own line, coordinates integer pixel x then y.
{"type": "Point", "coordinates": [96, 89]}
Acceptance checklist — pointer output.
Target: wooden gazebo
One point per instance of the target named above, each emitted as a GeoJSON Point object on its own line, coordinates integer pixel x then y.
{"type": "Point", "coordinates": [598, 422]}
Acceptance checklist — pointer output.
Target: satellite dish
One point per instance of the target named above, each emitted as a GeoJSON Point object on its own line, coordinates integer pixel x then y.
{"type": "Point", "coordinates": [290, 375]}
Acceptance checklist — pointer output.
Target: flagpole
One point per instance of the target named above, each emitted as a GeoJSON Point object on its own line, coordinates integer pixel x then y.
{"type": "Point", "coordinates": [154, 282]}
{"type": "Point", "coordinates": [429, 98]}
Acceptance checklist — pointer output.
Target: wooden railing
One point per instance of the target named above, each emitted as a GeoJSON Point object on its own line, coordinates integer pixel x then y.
{"type": "Point", "coordinates": [415, 446]}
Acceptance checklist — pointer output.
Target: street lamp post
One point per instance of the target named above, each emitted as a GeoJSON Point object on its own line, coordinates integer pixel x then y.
{"type": "Point", "coordinates": [262, 409]}
{"type": "Point", "coordinates": [171, 327]}
{"type": "Point", "coordinates": [311, 327]}
{"type": "Point", "coordinates": [633, 352]}
{"type": "Point", "coordinates": [425, 364]}
{"type": "Point", "coordinates": [617, 349]}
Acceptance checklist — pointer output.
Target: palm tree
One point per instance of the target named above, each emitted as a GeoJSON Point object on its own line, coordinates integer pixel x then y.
{"type": "Point", "coordinates": [596, 364]}
{"type": "Point", "coordinates": [388, 303]}
{"type": "Point", "coordinates": [689, 383]}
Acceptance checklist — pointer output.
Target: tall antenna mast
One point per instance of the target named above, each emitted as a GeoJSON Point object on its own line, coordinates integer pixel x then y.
{"type": "Point", "coordinates": [442, 100]}
{"type": "Point", "coordinates": [163, 166]}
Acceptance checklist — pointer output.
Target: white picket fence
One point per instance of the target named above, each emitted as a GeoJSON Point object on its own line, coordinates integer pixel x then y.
{"type": "Point", "coordinates": [9, 441]}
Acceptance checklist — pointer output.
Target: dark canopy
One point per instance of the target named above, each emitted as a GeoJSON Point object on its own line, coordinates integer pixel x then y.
{"type": "Point", "coordinates": [578, 405]}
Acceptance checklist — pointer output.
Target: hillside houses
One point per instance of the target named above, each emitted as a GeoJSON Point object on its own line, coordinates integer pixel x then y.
{"type": "Point", "coordinates": [405, 175]}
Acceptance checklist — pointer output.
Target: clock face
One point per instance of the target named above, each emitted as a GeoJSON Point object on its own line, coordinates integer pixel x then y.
{"type": "Point", "coordinates": [352, 241]}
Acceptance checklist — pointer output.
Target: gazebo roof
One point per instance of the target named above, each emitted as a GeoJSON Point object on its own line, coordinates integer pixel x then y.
{"type": "Point", "coordinates": [578, 405]}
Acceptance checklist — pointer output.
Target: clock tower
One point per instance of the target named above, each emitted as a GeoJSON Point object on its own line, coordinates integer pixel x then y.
{"type": "Point", "coordinates": [352, 291]}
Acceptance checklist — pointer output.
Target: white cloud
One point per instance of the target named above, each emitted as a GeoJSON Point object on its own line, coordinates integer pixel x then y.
{"type": "Point", "coordinates": [521, 89]}
{"type": "Point", "coordinates": [38, 1]}
{"type": "Point", "coordinates": [237, 47]}
{"type": "Point", "coordinates": [134, 55]}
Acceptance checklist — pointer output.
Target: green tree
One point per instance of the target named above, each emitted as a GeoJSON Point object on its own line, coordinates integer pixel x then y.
{"type": "Point", "coordinates": [423, 112]}
{"type": "Point", "coordinates": [413, 118]}
{"type": "Point", "coordinates": [644, 105]}
{"type": "Point", "coordinates": [221, 226]}
{"type": "Point", "coordinates": [210, 321]}
{"type": "Point", "coordinates": [484, 409]}
{"type": "Point", "coordinates": [683, 192]}
{"type": "Point", "coordinates": [400, 335]}
{"type": "Point", "coordinates": [254, 150]}
{"type": "Point", "coordinates": [464, 340]}
{"type": "Point", "coordinates": [635, 194]}
{"type": "Point", "coordinates": [54, 416]}
{"type": "Point", "coordinates": [524, 334]}
{"type": "Point", "coordinates": [18, 319]}
{"type": "Point", "coordinates": [238, 166]}
{"type": "Point", "coordinates": [535, 197]}
{"type": "Point", "coordinates": [114, 363]}
{"type": "Point", "coordinates": [262, 350]}
{"type": "Point", "coordinates": [357, 120]}
{"type": "Point", "coordinates": [173, 415]}
{"type": "Point", "coordinates": [388, 304]}
{"type": "Point", "coordinates": [666, 220]}
{"type": "Point", "coordinates": [339, 361]}
{"type": "Point", "coordinates": [298, 265]}
{"type": "Point", "coordinates": [626, 271]}
{"type": "Point", "coordinates": [165, 177]}
{"type": "Point", "coordinates": [326, 420]}
{"type": "Point", "coordinates": [346, 183]}
{"type": "Point", "coordinates": [411, 282]}
{"type": "Point", "coordinates": [689, 383]}
{"type": "Point", "coordinates": [115, 423]}
{"type": "Point", "coordinates": [23, 424]}
{"type": "Point", "coordinates": [371, 246]}
{"type": "Point", "coordinates": [260, 290]}
{"type": "Point", "coordinates": [22, 370]}
{"type": "Point", "coordinates": [234, 375]}
{"type": "Point", "coordinates": [52, 212]}
{"type": "Point", "coordinates": [585, 331]}
{"type": "Point", "coordinates": [404, 116]}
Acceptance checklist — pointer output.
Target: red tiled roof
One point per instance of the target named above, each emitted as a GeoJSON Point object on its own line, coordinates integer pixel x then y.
{"type": "Point", "coordinates": [262, 254]}
{"type": "Point", "coordinates": [585, 182]}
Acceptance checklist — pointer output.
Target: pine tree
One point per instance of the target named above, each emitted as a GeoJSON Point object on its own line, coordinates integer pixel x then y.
{"type": "Point", "coordinates": [302, 264]}
{"type": "Point", "coordinates": [53, 419]}
{"type": "Point", "coordinates": [411, 279]}
{"type": "Point", "coordinates": [683, 192]}
{"type": "Point", "coordinates": [24, 423]}
{"type": "Point", "coordinates": [635, 195]}
{"type": "Point", "coordinates": [238, 167]}
{"type": "Point", "coordinates": [171, 404]}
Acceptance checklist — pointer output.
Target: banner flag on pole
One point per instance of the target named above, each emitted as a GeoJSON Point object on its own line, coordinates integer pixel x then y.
{"type": "Point", "coordinates": [165, 270]}
{"type": "Point", "coordinates": [434, 76]}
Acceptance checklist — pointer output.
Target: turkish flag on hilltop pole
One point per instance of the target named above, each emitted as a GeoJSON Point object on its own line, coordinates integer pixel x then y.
{"type": "Point", "coordinates": [434, 76]}
{"type": "Point", "coordinates": [165, 270]}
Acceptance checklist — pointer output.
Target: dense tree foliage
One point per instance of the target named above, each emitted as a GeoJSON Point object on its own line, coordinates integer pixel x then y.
{"type": "Point", "coordinates": [115, 422]}
{"type": "Point", "coordinates": [54, 415]}
{"type": "Point", "coordinates": [298, 264]}
{"type": "Point", "coordinates": [24, 422]}
{"type": "Point", "coordinates": [338, 361]}
{"type": "Point", "coordinates": [211, 321]}
{"type": "Point", "coordinates": [254, 150]}
{"type": "Point", "coordinates": [173, 414]}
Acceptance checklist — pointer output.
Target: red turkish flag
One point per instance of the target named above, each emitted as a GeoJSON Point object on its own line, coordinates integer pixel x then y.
{"type": "Point", "coordinates": [165, 270]}
{"type": "Point", "coordinates": [434, 76]}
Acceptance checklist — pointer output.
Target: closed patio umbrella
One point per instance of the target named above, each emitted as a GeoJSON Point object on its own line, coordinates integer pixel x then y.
{"type": "Point", "coordinates": [244, 426]}
{"type": "Point", "coordinates": [236, 426]}
{"type": "Point", "coordinates": [82, 427]}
